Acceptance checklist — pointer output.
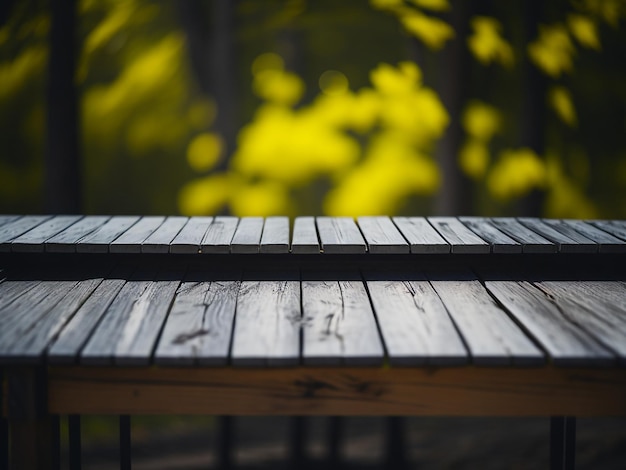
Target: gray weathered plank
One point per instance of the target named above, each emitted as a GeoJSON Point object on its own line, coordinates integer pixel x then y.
{"type": "Point", "coordinates": [131, 240]}
{"type": "Point", "coordinates": [98, 241]}
{"type": "Point", "coordinates": [422, 237]}
{"type": "Point", "coordinates": [489, 333]}
{"type": "Point", "coordinates": [5, 219]}
{"type": "Point", "coordinates": [607, 243]}
{"type": "Point", "coordinates": [565, 342]}
{"type": "Point", "coordinates": [460, 238]}
{"type": "Point", "coordinates": [267, 323]}
{"type": "Point", "coordinates": [415, 325]}
{"type": "Point", "coordinates": [247, 236]}
{"type": "Point", "coordinates": [499, 241]}
{"type": "Point", "coordinates": [599, 307]}
{"type": "Point", "coordinates": [219, 235]}
{"type": "Point", "coordinates": [33, 240]}
{"type": "Point", "coordinates": [78, 330]}
{"type": "Point", "coordinates": [65, 241]}
{"type": "Point", "coordinates": [159, 241]}
{"type": "Point", "coordinates": [531, 241]}
{"type": "Point", "coordinates": [382, 236]}
{"type": "Point", "coordinates": [34, 340]}
{"type": "Point", "coordinates": [190, 237]}
{"type": "Point", "coordinates": [275, 238]}
{"type": "Point", "coordinates": [616, 228]}
{"type": "Point", "coordinates": [12, 230]}
{"type": "Point", "coordinates": [564, 243]}
{"type": "Point", "coordinates": [129, 330]}
{"type": "Point", "coordinates": [12, 289]}
{"type": "Point", "coordinates": [199, 326]}
{"type": "Point", "coordinates": [339, 326]}
{"type": "Point", "coordinates": [340, 235]}
{"type": "Point", "coordinates": [305, 239]}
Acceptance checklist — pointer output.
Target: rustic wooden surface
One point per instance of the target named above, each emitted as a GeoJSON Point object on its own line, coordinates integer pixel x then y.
{"type": "Point", "coordinates": [305, 239]}
{"type": "Point", "coordinates": [247, 236]}
{"type": "Point", "coordinates": [66, 240]}
{"type": "Point", "coordinates": [382, 236]}
{"type": "Point", "coordinates": [422, 237]}
{"type": "Point", "coordinates": [340, 235]}
{"type": "Point", "coordinates": [190, 236]}
{"type": "Point", "coordinates": [461, 239]}
{"type": "Point", "coordinates": [219, 235]}
{"type": "Point", "coordinates": [159, 241]}
{"type": "Point", "coordinates": [131, 241]}
{"type": "Point", "coordinates": [531, 242]}
{"type": "Point", "coordinates": [500, 242]}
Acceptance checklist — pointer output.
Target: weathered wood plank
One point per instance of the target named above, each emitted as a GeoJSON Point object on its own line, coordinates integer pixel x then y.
{"type": "Point", "coordinates": [531, 241]}
{"type": "Point", "coordinates": [382, 236]}
{"type": "Point", "coordinates": [5, 219]}
{"type": "Point", "coordinates": [34, 340]}
{"type": "Point", "coordinates": [422, 237]}
{"type": "Point", "coordinates": [305, 236]}
{"type": "Point", "coordinates": [564, 341]}
{"type": "Point", "coordinates": [460, 238]}
{"type": "Point", "coordinates": [248, 235]}
{"type": "Point", "coordinates": [191, 235]}
{"type": "Point", "coordinates": [275, 238]}
{"type": "Point", "coordinates": [267, 324]}
{"type": "Point", "coordinates": [33, 240]}
{"type": "Point", "coordinates": [381, 391]}
{"type": "Point", "coordinates": [199, 326]}
{"type": "Point", "coordinates": [415, 325]}
{"type": "Point", "coordinates": [599, 307]}
{"type": "Point", "coordinates": [159, 241]}
{"type": "Point", "coordinates": [219, 235]}
{"type": "Point", "coordinates": [338, 322]}
{"type": "Point", "coordinates": [12, 289]}
{"type": "Point", "coordinates": [98, 241]}
{"type": "Point", "coordinates": [131, 240]}
{"type": "Point", "coordinates": [499, 241]}
{"type": "Point", "coordinates": [616, 228]}
{"type": "Point", "coordinates": [12, 230]}
{"type": "Point", "coordinates": [607, 243]}
{"type": "Point", "coordinates": [489, 333]}
{"type": "Point", "coordinates": [340, 235]}
{"type": "Point", "coordinates": [65, 241]}
{"type": "Point", "coordinates": [564, 243]}
{"type": "Point", "coordinates": [78, 330]}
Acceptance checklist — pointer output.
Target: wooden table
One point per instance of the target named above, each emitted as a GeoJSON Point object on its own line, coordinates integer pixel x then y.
{"type": "Point", "coordinates": [329, 316]}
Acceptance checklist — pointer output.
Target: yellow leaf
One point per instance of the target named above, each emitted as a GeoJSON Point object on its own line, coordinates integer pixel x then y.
{"type": "Point", "coordinates": [481, 121]}
{"type": "Point", "coordinates": [431, 31]}
{"type": "Point", "coordinates": [474, 158]}
{"type": "Point", "coordinates": [552, 51]}
{"type": "Point", "coordinates": [516, 173]}
{"type": "Point", "coordinates": [205, 196]}
{"type": "Point", "coordinates": [204, 151]}
{"type": "Point", "coordinates": [487, 44]}
{"type": "Point", "coordinates": [561, 101]}
{"type": "Point", "coordinates": [585, 30]}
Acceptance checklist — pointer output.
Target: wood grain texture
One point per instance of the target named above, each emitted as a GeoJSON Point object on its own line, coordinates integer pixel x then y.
{"type": "Point", "coordinates": [422, 237]}
{"type": "Point", "coordinates": [607, 243]}
{"type": "Point", "coordinates": [191, 235]}
{"type": "Point", "coordinates": [131, 240]}
{"type": "Point", "coordinates": [98, 241]}
{"type": "Point", "coordinates": [65, 241]}
{"type": "Point", "coordinates": [338, 323]}
{"type": "Point", "coordinates": [614, 227]}
{"type": "Point", "coordinates": [199, 326]}
{"type": "Point", "coordinates": [275, 238]}
{"type": "Point", "coordinates": [489, 333]}
{"type": "Point", "coordinates": [499, 241]}
{"type": "Point", "coordinates": [5, 219]}
{"type": "Point", "coordinates": [248, 235]}
{"type": "Point", "coordinates": [599, 307]}
{"type": "Point", "coordinates": [219, 235]}
{"type": "Point", "coordinates": [12, 289]}
{"type": "Point", "coordinates": [454, 391]}
{"type": "Point", "coordinates": [340, 235]}
{"type": "Point", "coordinates": [159, 241]}
{"type": "Point", "coordinates": [565, 243]}
{"type": "Point", "coordinates": [382, 236]}
{"type": "Point", "coordinates": [33, 240]}
{"type": "Point", "coordinates": [531, 241]}
{"type": "Point", "coordinates": [305, 239]}
{"type": "Point", "coordinates": [12, 230]}
{"type": "Point", "coordinates": [267, 324]}
{"type": "Point", "coordinates": [415, 325]}
{"type": "Point", "coordinates": [566, 343]}
{"type": "Point", "coordinates": [460, 238]}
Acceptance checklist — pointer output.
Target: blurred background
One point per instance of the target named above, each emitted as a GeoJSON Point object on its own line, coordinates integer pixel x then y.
{"type": "Point", "coordinates": [294, 107]}
{"type": "Point", "coordinates": [314, 107]}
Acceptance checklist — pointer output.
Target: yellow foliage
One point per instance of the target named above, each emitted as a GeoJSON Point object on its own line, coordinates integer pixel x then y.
{"type": "Point", "coordinates": [435, 5]}
{"type": "Point", "coordinates": [474, 158]}
{"type": "Point", "coordinates": [561, 101]}
{"type": "Point", "coordinates": [565, 199]}
{"type": "Point", "coordinates": [119, 16]}
{"type": "Point", "coordinates": [552, 51]}
{"type": "Point", "coordinates": [401, 80]}
{"type": "Point", "coordinates": [487, 44]}
{"type": "Point", "coordinates": [29, 63]}
{"type": "Point", "coordinates": [267, 61]}
{"type": "Point", "coordinates": [204, 151]}
{"type": "Point", "coordinates": [205, 195]}
{"type": "Point", "coordinates": [332, 82]}
{"type": "Point", "coordinates": [278, 86]}
{"type": "Point", "coordinates": [516, 173]}
{"type": "Point", "coordinates": [431, 31]}
{"type": "Point", "coordinates": [609, 10]}
{"type": "Point", "coordinates": [261, 199]}
{"type": "Point", "coordinates": [201, 113]}
{"type": "Point", "coordinates": [585, 30]}
{"type": "Point", "coordinates": [481, 121]}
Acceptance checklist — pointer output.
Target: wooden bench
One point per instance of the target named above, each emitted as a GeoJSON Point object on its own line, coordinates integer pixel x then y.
{"type": "Point", "coordinates": [330, 316]}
